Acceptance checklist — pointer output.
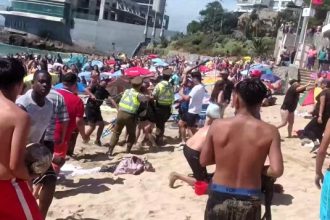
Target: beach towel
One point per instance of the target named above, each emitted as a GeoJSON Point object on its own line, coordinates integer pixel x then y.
{"type": "Point", "coordinates": [133, 165]}
{"type": "Point", "coordinates": [325, 198]}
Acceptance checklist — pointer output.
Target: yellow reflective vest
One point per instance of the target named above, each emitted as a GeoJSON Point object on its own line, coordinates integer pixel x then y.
{"type": "Point", "coordinates": [129, 102]}
{"type": "Point", "coordinates": [165, 93]}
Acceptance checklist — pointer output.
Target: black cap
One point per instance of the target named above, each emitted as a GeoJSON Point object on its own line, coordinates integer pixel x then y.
{"type": "Point", "coordinates": [70, 78]}
{"type": "Point", "coordinates": [197, 75]}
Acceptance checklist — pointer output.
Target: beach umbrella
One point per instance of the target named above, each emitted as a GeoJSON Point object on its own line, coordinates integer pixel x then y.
{"type": "Point", "coordinates": [105, 75]}
{"type": "Point", "coordinates": [270, 77]}
{"type": "Point", "coordinates": [152, 56]}
{"type": "Point", "coordinates": [28, 79]}
{"type": "Point", "coordinates": [136, 71]}
{"type": "Point", "coordinates": [93, 63]}
{"type": "Point", "coordinates": [318, 2]}
{"type": "Point", "coordinates": [244, 72]}
{"type": "Point", "coordinates": [116, 74]}
{"type": "Point", "coordinates": [86, 75]}
{"type": "Point", "coordinates": [162, 64]}
{"type": "Point", "coordinates": [80, 87]}
{"type": "Point", "coordinates": [57, 64]}
{"type": "Point", "coordinates": [265, 69]}
{"type": "Point", "coordinates": [111, 62]}
{"type": "Point", "coordinates": [157, 60]}
{"type": "Point", "coordinates": [152, 69]}
{"type": "Point", "coordinates": [309, 98]}
{"type": "Point", "coordinates": [97, 63]}
{"type": "Point", "coordinates": [204, 69]}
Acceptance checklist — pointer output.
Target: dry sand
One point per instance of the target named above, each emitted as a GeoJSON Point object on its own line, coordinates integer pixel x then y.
{"type": "Point", "coordinates": [147, 196]}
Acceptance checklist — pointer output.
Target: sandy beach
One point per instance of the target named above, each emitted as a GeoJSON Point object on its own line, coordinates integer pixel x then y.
{"type": "Point", "coordinates": [147, 196]}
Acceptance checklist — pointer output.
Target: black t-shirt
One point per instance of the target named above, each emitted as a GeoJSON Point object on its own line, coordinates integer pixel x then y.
{"type": "Point", "coordinates": [326, 111]}
{"type": "Point", "coordinates": [100, 94]}
{"type": "Point", "coordinates": [228, 89]}
{"type": "Point", "coordinates": [291, 99]}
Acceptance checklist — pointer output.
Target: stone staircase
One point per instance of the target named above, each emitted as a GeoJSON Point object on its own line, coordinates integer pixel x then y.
{"type": "Point", "coordinates": [140, 47]}
{"type": "Point", "coordinates": [304, 76]}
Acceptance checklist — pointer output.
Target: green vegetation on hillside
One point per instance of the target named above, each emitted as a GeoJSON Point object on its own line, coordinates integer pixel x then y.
{"type": "Point", "coordinates": [220, 32]}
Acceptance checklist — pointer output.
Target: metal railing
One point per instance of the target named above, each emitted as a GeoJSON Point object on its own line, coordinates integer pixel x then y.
{"type": "Point", "coordinates": [327, 19]}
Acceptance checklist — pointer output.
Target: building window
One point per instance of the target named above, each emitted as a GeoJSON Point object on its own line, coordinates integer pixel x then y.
{"type": "Point", "coordinates": [112, 16]}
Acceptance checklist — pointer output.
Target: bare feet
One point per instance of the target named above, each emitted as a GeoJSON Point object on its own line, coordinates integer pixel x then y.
{"type": "Point", "coordinates": [109, 152]}
{"type": "Point", "coordinates": [85, 140]}
{"type": "Point", "coordinates": [172, 178]}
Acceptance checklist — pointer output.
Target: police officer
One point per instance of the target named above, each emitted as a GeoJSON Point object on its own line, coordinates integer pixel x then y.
{"type": "Point", "coordinates": [164, 97]}
{"type": "Point", "coordinates": [127, 114]}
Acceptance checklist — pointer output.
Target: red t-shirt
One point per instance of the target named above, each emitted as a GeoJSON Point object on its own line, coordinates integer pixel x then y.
{"type": "Point", "coordinates": [75, 108]}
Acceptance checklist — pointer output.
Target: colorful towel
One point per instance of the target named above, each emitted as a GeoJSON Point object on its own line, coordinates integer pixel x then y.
{"type": "Point", "coordinates": [325, 198]}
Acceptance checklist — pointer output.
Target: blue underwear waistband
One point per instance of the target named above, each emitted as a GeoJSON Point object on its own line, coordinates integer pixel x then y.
{"type": "Point", "coordinates": [235, 191]}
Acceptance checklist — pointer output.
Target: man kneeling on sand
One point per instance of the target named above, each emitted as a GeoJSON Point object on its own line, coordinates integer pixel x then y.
{"type": "Point", "coordinates": [191, 151]}
{"type": "Point", "coordinates": [239, 152]}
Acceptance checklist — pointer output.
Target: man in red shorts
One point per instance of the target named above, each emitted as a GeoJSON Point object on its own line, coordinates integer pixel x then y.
{"type": "Point", "coordinates": [17, 201]}
{"type": "Point", "coordinates": [75, 108]}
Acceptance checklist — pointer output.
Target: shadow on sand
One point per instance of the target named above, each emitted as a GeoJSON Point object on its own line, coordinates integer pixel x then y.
{"type": "Point", "coordinates": [73, 218]}
{"type": "Point", "coordinates": [99, 156]}
{"type": "Point", "coordinates": [90, 185]}
{"type": "Point", "coordinates": [282, 199]}
{"type": "Point", "coordinates": [171, 141]}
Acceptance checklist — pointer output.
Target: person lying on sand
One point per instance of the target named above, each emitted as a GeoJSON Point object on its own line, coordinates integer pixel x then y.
{"type": "Point", "coordinates": [191, 151]}
{"type": "Point", "coordinates": [236, 185]}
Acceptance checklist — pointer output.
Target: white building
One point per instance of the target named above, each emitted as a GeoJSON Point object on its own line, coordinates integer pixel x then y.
{"type": "Point", "coordinates": [248, 5]}
{"type": "Point", "coordinates": [280, 5]}
{"type": "Point", "coordinates": [276, 5]}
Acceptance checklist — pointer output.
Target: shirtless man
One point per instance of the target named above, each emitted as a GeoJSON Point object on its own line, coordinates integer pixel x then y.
{"type": "Point", "coordinates": [239, 152]}
{"type": "Point", "coordinates": [17, 201]}
{"type": "Point", "coordinates": [191, 151]}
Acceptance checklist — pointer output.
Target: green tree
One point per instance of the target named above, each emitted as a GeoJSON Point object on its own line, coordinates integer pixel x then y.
{"type": "Point", "coordinates": [212, 16]}
{"type": "Point", "coordinates": [320, 12]}
{"type": "Point", "coordinates": [193, 27]}
{"type": "Point", "coordinates": [261, 46]}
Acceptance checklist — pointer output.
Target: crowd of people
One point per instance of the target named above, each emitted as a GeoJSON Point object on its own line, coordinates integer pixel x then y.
{"type": "Point", "coordinates": [53, 118]}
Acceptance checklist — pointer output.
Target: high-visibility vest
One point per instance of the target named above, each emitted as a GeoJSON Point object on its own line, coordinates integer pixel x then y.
{"type": "Point", "coordinates": [130, 101]}
{"type": "Point", "coordinates": [166, 93]}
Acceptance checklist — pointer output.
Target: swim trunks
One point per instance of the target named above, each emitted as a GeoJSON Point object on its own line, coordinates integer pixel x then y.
{"type": "Point", "coordinates": [192, 156]}
{"type": "Point", "coordinates": [93, 114]}
{"type": "Point", "coordinates": [17, 201]}
{"type": "Point", "coordinates": [230, 203]}
{"type": "Point", "coordinates": [190, 119]}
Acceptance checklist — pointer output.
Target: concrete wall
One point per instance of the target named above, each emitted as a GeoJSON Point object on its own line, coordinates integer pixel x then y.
{"type": "Point", "coordinates": [38, 27]}
{"type": "Point", "coordinates": [100, 35]}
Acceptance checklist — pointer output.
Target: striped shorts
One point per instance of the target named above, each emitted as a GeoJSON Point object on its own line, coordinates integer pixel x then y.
{"type": "Point", "coordinates": [17, 201]}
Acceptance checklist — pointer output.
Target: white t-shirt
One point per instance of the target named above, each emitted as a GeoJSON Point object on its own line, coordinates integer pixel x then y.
{"type": "Point", "coordinates": [196, 99]}
{"type": "Point", "coordinates": [40, 116]}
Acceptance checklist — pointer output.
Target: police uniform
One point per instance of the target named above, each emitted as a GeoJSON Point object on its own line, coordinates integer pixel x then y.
{"type": "Point", "coordinates": [127, 115]}
{"type": "Point", "coordinates": [164, 96]}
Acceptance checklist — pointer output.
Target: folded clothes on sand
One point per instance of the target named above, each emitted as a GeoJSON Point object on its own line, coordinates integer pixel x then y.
{"type": "Point", "coordinates": [133, 165]}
